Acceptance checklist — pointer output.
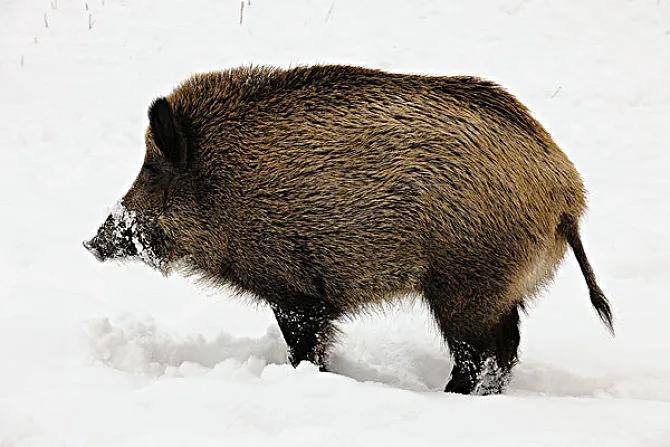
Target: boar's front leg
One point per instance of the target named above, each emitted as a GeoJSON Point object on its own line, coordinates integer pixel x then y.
{"type": "Point", "coordinates": [307, 325]}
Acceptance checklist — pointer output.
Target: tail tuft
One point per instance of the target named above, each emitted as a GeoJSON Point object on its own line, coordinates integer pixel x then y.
{"type": "Point", "coordinates": [602, 306]}
{"type": "Point", "coordinates": [569, 229]}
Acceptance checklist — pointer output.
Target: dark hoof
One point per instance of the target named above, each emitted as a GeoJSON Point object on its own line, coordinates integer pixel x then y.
{"type": "Point", "coordinates": [459, 384]}
{"type": "Point", "coordinates": [492, 379]}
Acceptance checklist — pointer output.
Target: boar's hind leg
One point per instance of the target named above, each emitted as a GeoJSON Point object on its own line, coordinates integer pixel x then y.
{"type": "Point", "coordinates": [482, 364]}
{"type": "Point", "coordinates": [483, 354]}
{"type": "Point", "coordinates": [307, 327]}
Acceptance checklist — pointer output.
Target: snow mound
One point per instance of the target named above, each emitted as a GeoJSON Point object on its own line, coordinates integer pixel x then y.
{"type": "Point", "coordinates": [142, 347]}
{"type": "Point", "coordinates": [368, 351]}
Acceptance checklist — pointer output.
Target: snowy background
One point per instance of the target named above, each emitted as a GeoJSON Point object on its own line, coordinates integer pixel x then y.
{"type": "Point", "coordinates": [97, 354]}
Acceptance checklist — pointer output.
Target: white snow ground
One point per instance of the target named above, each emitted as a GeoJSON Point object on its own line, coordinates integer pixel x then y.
{"type": "Point", "coordinates": [97, 354]}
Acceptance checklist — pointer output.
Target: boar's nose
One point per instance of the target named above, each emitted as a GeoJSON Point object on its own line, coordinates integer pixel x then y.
{"type": "Point", "coordinates": [90, 246]}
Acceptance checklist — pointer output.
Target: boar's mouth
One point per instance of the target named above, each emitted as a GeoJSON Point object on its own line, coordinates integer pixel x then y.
{"type": "Point", "coordinates": [92, 247]}
{"type": "Point", "coordinates": [126, 234]}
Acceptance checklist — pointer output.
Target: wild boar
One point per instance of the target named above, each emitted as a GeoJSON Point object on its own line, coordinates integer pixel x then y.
{"type": "Point", "coordinates": [324, 189]}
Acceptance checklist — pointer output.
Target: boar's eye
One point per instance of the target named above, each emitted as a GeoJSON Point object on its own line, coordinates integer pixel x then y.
{"type": "Point", "coordinates": [156, 176]}
{"type": "Point", "coordinates": [153, 176]}
{"type": "Point", "coordinates": [151, 170]}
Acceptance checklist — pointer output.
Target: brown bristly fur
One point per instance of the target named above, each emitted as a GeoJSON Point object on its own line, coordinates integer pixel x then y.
{"type": "Point", "coordinates": [342, 186]}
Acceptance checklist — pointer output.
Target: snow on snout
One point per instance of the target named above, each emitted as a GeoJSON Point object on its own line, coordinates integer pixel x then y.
{"type": "Point", "coordinates": [123, 219]}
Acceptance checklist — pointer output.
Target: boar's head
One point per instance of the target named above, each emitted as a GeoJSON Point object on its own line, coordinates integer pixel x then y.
{"type": "Point", "coordinates": [142, 225]}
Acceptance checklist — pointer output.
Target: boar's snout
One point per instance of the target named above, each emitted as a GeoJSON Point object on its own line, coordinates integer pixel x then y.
{"type": "Point", "coordinates": [126, 235]}
{"type": "Point", "coordinates": [114, 239]}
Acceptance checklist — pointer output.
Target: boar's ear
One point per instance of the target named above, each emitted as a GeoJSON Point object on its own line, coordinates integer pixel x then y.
{"type": "Point", "coordinates": [167, 133]}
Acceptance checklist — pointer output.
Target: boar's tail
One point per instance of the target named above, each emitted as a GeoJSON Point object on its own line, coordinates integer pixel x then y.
{"type": "Point", "coordinates": [570, 230]}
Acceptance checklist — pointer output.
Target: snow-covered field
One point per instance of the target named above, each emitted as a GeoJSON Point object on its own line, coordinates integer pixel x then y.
{"type": "Point", "coordinates": [97, 354]}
